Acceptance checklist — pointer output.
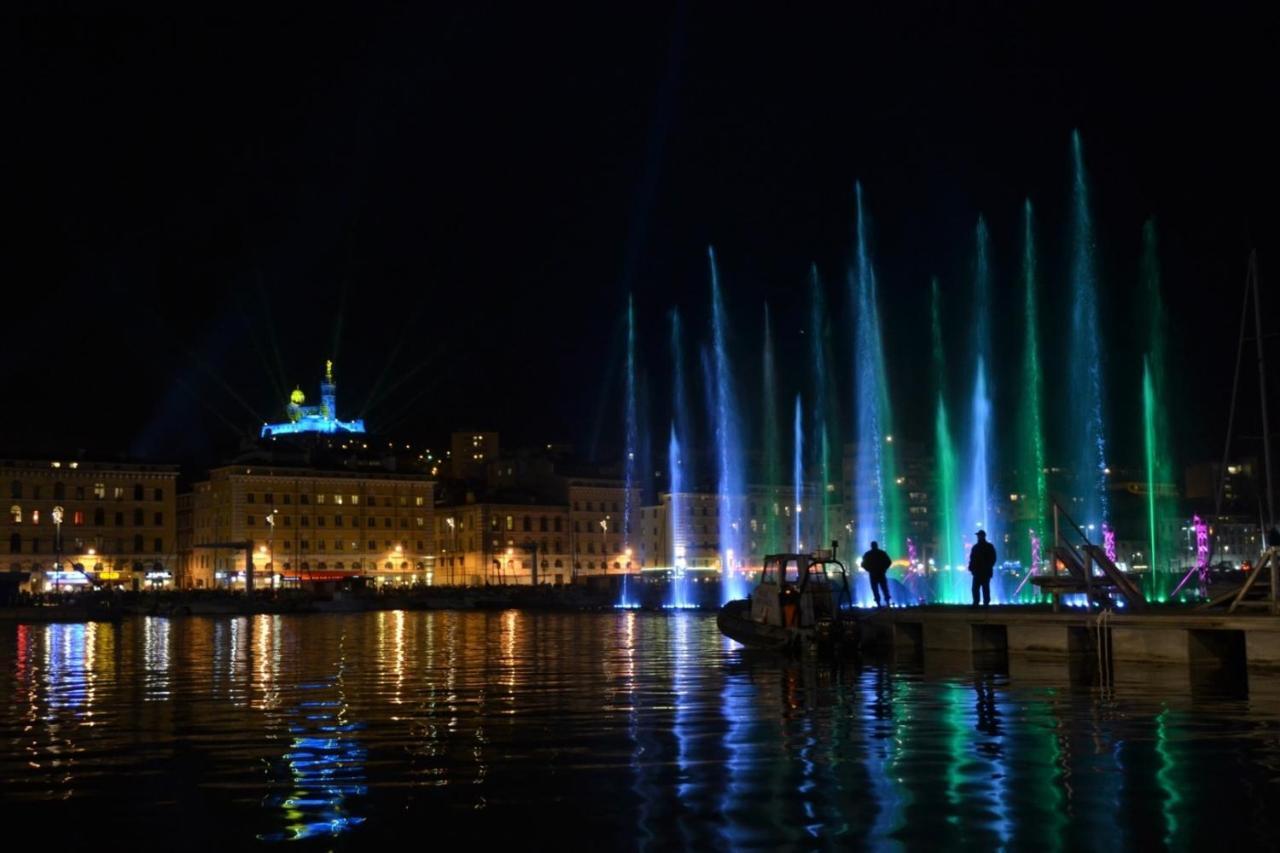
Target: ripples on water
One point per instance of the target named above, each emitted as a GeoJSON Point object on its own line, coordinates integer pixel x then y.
{"type": "Point", "coordinates": [614, 731]}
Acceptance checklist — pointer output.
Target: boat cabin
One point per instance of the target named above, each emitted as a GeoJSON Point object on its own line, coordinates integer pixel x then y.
{"type": "Point", "coordinates": [799, 590]}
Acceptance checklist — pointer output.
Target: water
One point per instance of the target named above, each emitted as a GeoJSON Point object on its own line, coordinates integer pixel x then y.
{"type": "Point", "coordinates": [797, 473]}
{"type": "Point", "coordinates": [632, 429]}
{"type": "Point", "coordinates": [878, 511]}
{"type": "Point", "coordinates": [614, 731]}
{"type": "Point", "coordinates": [1034, 492]}
{"type": "Point", "coordinates": [678, 521]}
{"type": "Point", "coordinates": [978, 512]}
{"type": "Point", "coordinates": [825, 414]}
{"type": "Point", "coordinates": [774, 538]}
{"type": "Point", "coordinates": [730, 453]}
{"type": "Point", "coordinates": [1085, 387]}
{"type": "Point", "coordinates": [1162, 509]}
{"type": "Point", "coordinates": [954, 587]}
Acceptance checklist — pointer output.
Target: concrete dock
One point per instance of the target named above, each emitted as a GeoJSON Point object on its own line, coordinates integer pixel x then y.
{"type": "Point", "coordinates": [1180, 637]}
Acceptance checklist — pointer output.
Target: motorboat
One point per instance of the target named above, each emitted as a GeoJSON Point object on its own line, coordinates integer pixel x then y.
{"type": "Point", "coordinates": [800, 601]}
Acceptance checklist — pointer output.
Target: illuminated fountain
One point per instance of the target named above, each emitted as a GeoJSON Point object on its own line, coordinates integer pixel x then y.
{"type": "Point", "coordinates": [877, 507]}
{"type": "Point", "coordinates": [977, 511]}
{"type": "Point", "coordinates": [1161, 507]}
{"type": "Point", "coordinates": [1033, 491]}
{"type": "Point", "coordinates": [679, 594]}
{"type": "Point", "coordinates": [949, 585]}
{"type": "Point", "coordinates": [825, 416]}
{"type": "Point", "coordinates": [797, 462]}
{"type": "Point", "coordinates": [729, 452]}
{"type": "Point", "coordinates": [1084, 390]}
{"type": "Point", "coordinates": [629, 461]}
{"type": "Point", "coordinates": [773, 534]}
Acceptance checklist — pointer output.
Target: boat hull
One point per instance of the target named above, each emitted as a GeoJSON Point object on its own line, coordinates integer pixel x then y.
{"type": "Point", "coordinates": [735, 622]}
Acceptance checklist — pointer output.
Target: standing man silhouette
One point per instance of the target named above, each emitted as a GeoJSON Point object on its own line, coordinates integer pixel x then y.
{"type": "Point", "coordinates": [877, 563]}
{"type": "Point", "coordinates": [982, 563]}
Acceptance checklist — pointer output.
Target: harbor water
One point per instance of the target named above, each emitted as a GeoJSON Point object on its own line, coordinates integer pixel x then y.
{"type": "Point", "coordinates": [611, 731]}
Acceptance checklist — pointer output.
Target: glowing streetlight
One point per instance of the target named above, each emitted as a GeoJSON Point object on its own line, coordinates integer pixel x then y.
{"type": "Point", "coordinates": [57, 548]}
{"type": "Point", "coordinates": [604, 542]}
{"type": "Point", "coordinates": [453, 531]}
{"type": "Point", "coordinates": [271, 549]}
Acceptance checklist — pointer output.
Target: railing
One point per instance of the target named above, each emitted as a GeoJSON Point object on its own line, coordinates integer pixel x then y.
{"type": "Point", "coordinates": [1081, 556]}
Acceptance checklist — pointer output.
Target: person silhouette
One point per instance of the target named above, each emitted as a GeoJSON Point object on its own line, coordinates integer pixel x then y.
{"type": "Point", "coordinates": [877, 563]}
{"type": "Point", "coordinates": [982, 563]}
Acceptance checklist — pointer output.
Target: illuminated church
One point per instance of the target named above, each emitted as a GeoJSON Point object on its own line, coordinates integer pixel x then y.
{"type": "Point", "coordinates": [318, 419]}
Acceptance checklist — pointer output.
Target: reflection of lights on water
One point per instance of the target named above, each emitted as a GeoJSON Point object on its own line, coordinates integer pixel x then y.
{"type": "Point", "coordinates": [326, 768]}
{"type": "Point", "coordinates": [155, 644]}
{"type": "Point", "coordinates": [65, 662]}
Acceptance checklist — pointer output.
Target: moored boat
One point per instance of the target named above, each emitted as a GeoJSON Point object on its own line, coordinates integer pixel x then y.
{"type": "Point", "coordinates": [800, 601]}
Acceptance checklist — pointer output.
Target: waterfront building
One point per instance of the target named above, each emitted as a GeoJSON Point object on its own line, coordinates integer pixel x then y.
{"type": "Point", "coordinates": [503, 541]}
{"type": "Point", "coordinates": [77, 523]}
{"type": "Point", "coordinates": [307, 524]}
{"type": "Point", "coordinates": [600, 544]}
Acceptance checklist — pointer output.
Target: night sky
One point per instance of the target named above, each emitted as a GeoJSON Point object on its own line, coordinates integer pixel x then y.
{"type": "Point", "coordinates": [453, 203]}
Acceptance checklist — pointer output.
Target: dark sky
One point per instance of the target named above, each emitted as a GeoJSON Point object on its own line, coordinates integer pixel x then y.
{"type": "Point", "coordinates": [453, 202]}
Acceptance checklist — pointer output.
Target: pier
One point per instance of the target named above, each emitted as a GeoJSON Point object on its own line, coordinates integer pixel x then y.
{"type": "Point", "coordinates": [1121, 644]}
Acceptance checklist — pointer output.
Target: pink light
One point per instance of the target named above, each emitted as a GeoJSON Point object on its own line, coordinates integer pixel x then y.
{"type": "Point", "coordinates": [1109, 541]}
{"type": "Point", "coordinates": [1035, 551]}
{"type": "Point", "coordinates": [1202, 546]}
{"type": "Point", "coordinates": [911, 552]}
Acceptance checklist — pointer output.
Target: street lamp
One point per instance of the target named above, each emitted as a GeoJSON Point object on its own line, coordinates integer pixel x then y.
{"type": "Point", "coordinates": [453, 529]}
{"type": "Point", "coordinates": [271, 549]}
{"type": "Point", "coordinates": [604, 542]}
{"type": "Point", "coordinates": [57, 549]}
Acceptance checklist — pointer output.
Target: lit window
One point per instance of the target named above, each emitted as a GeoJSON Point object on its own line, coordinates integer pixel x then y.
{"type": "Point", "coordinates": [417, 501]}
{"type": "Point", "coordinates": [35, 516]}
{"type": "Point", "coordinates": [77, 517]}
{"type": "Point", "coordinates": [355, 500]}
{"type": "Point", "coordinates": [99, 490]}
{"type": "Point", "coordinates": [337, 500]}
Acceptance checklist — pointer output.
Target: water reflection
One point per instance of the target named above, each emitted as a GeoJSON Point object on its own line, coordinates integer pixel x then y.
{"type": "Point", "coordinates": [325, 761]}
{"type": "Point", "coordinates": [615, 730]}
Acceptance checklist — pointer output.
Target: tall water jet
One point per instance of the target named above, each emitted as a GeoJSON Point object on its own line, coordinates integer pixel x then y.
{"type": "Point", "coordinates": [797, 477]}
{"type": "Point", "coordinates": [1085, 388]}
{"type": "Point", "coordinates": [729, 461]}
{"type": "Point", "coordinates": [826, 418]}
{"type": "Point", "coordinates": [949, 585]}
{"type": "Point", "coordinates": [629, 460]}
{"type": "Point", "coordinates": [1161, 506]}
{"type": "Point", "coordinates": [977, 507]}
{"type": "Point", "coordinates": [877, 498]}
{"type": "Point", "coordinates": [773, 534]}
{"type": "Point", "coordinates": [677, 525]}
{"type": "Point", "coordinates": [1033, 491]}
{"type": "Point", "coordinates": [677, 516]}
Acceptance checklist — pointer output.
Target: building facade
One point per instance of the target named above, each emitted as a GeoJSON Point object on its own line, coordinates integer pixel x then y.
{"type": "Point", "coordinates": [307, 524]}
{"type": "Point", "coordinates": [117, 525]}
{"type": "Point", "coordinates": [495, 542]}
{"type": "Point", "coordinates": [601, 542]}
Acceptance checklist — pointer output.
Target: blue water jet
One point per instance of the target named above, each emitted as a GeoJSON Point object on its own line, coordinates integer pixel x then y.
{"type": "Point", "coordinates": [679, 594]}
{"type": "Point", "coordinates": [729, 450]}
{"type": "Point", "coordinates": [877, 499]}
{"type": "Point", "coordinates": [978, 512]}
{"type": "Point", "coordinates": [632, 440]}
